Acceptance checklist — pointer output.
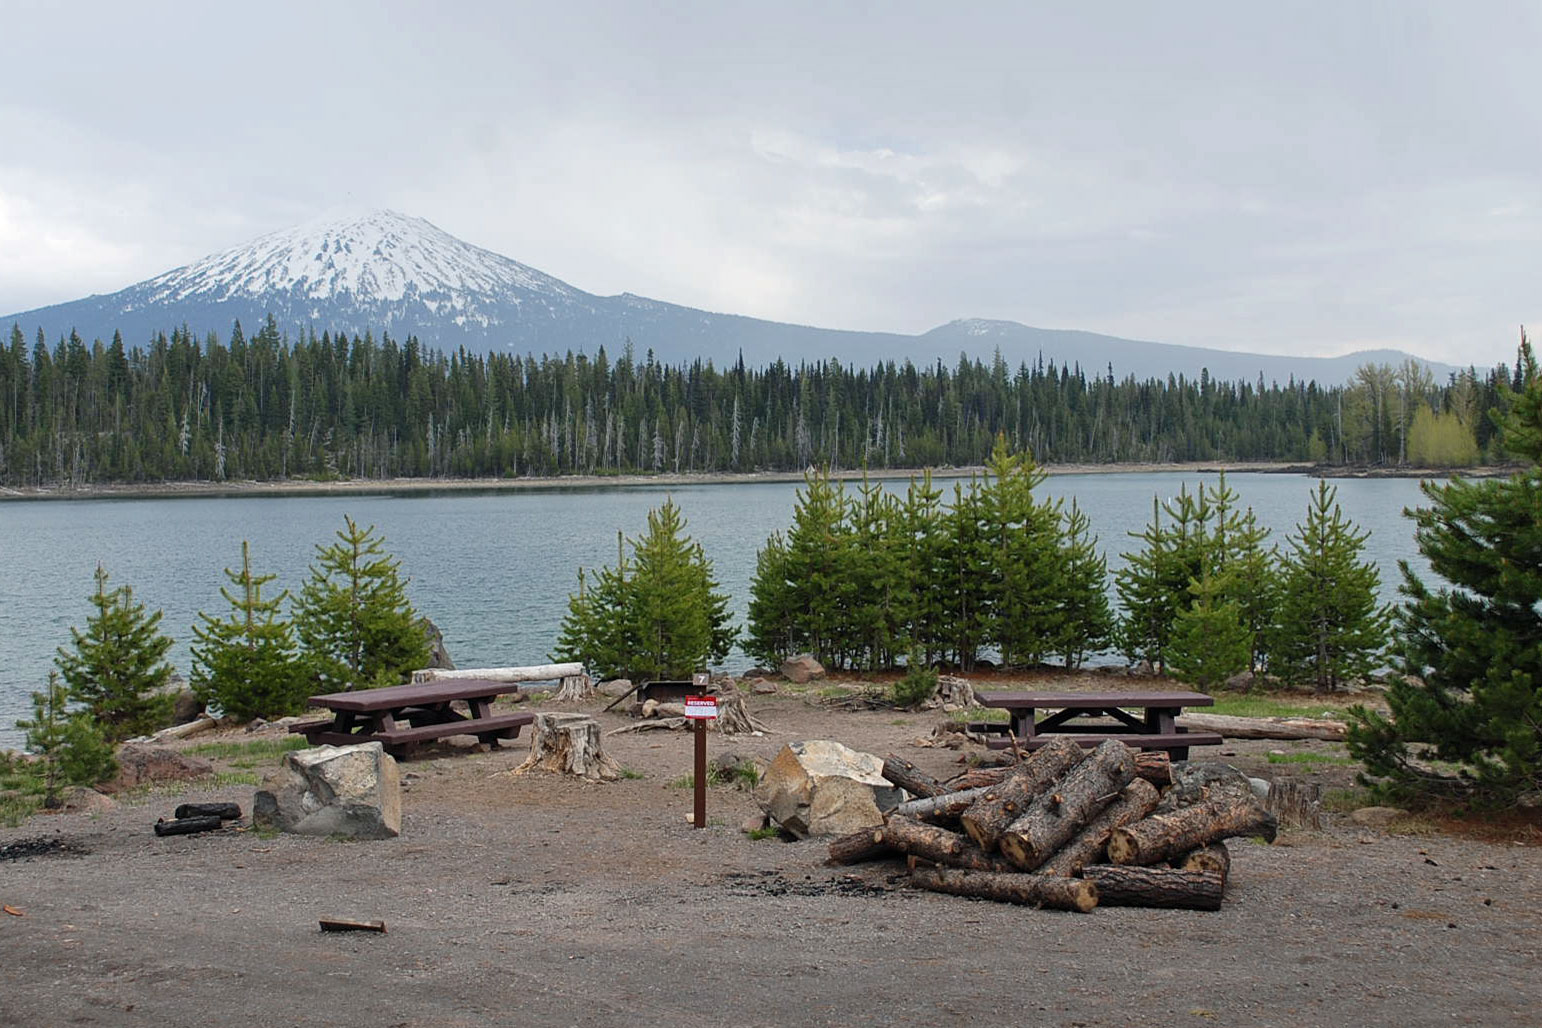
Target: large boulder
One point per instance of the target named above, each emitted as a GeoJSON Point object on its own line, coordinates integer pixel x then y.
{"type": "Point", "coordinates": [148, 764]}
{"type": "Point", "coordinates": [802, 668]}
{"type": "Point", "coordinates": [819, 787]}
{"type": "Point", "coordinates": [349, 791]}
{"type": "Point", "coordinates": [438, 655]}
{"type": "Point", "coordinates": [185, 704]}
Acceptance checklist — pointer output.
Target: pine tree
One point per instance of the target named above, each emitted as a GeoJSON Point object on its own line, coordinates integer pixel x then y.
{"type": "Point", "coordinates": [676, 613]}
{"type": "Point", "coordinates": [116, 667]}
{"type": "Point", "coordinates": [1086, 622]}
{"type": "Point", "coordinates": [1244, 570]}
{"type": "Point", "coordinates": [773, 632]}
{"type": "Point", "coordinates": [248, 666]}
{"type": "Point", "coordinates": [356, 628]}
{"type": "Point", "coordinates": [1023, 568]}
{"type": "Point", "coordinates": [667, 619]}
{"type": "Point", "coordinates": [1329, 627]}
{"type": "Point", "coordinates": [1209, 641]}
{"type": "Point", "coordinates": [1153, 585]}
{"type": "Point", "coordinates": [816, 565]}
{"type": "Point", "coordinates": [73, 749]}
{"type": "Point", "coordinates": [1472, 651]}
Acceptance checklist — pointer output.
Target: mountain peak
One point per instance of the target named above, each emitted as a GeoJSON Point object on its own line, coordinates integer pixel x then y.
{"type": "Point", "coordinates": [367, 258]}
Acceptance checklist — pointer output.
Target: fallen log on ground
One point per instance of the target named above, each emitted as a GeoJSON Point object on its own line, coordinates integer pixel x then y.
{"type": "Point", "coordinates": [989, 816]}
{"type": "Point", "coordinates": [202, 723]}
{"type": "Point", "coordinates": [1156, 887]}
{"type": "Point", "coordinates": [911, 778]}
{"type": "Point", "coordinates": [223, 811]}
{"type": "Point", "coordinates": [1265, 727]}
{"type": "Point", "coordinates": [1165, 836]}
{"type": "Point", "coordinates": [1059, 813]}
{"type": "Point", "coordinates": [1089, 846]}
{"type": "Point", "coordinates": [530, 673]}
{"type": "Point", "coordinates": [188, 825]}
{"type": "Point", "coordinates": [1027, 889]}
{"type": "Point", "coordinates": [944, 809]}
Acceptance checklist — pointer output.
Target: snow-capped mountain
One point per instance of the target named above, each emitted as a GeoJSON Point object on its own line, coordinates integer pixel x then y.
{"type": "Point", "coordinates": [388, 273]}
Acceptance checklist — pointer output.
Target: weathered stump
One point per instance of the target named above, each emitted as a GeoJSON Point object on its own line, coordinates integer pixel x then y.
{"type": "Point", "coordinates": [569, 744]}
{"type": "Point", "coordinates": [1090, 844]}
{"type": "Point", "coordinates": [734, 718]}
{"type": "Point", "coordinates": [575, 689]}
{"type": "Point", "coordinates": [1058, 814]}
{"type": "Point", "coordinates": [1165, 836]}
{"type": "Point", "coordinates": [991, 814]}
{"type": "Point", "coordinates": [1296, 803]}
{"type": "Point", "coordinates": [1156, 887]}
{"type": "Point", "coordinates": [1029, 890]}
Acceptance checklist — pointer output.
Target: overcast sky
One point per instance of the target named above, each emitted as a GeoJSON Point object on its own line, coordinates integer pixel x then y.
{"type": "Point", "coordinates": [1291, 177]}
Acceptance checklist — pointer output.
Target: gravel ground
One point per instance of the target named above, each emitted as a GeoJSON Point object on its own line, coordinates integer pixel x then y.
{"type": "Point", "coordinates": [534, 900]}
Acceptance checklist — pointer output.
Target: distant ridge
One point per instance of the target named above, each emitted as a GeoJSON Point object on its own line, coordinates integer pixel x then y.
{"type": "Point", "coordinates": [387, 272]}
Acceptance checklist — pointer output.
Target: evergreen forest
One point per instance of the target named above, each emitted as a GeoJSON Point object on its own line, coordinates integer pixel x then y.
{"type": "Point", "coordinates": [267, 407]}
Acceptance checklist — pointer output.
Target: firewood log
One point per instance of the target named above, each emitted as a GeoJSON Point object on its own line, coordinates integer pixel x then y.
{"type": "Point", "coordinates": [188, 825]}
{"type": "Point", "coordinates": [938, 845]}
{"type": "Point", "coordinates": [1214, 857]}
{"type": "Point", "coordinates": [1088, 847]}
{"type": "Point", "coordinates": [1029, 890]}
{"type": "Point", "coordinates": [223, 811]}
{"type": "Point", "coordinates": [1066, 806]}
{"type": "Point", "coordinates": [979, 777]}
{"type": "Point", "coordinates": [1155, 887]}
{"type": "Point", "coordinates": [1156, 767]}
{"type": "Point", "coordinates": [911, 778]}
{"type": "Point", "coordinates": [1164, 836]}
{"type": "Point", "coordinates": [859, 846]}
{"type": "Point", "coordinates": [992, 813]}
{"type": "Point", "coordinates": [944, 809]}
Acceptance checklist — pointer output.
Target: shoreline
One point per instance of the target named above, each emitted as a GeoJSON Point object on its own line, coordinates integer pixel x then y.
{"type": "Point", "coordinates": [386, 486]}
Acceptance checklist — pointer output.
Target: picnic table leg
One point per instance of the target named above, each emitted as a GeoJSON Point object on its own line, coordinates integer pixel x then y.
{"type": "Point", "coordinates": [1023, 723]}
{"type": "Point", "coordinates": [1162, 720]}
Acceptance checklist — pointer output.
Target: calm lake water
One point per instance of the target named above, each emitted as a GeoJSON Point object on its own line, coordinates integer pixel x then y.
{"type": "Point", "coordinates": [493, 570]}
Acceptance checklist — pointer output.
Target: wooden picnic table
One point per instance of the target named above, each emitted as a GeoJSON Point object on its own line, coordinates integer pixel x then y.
{"type": "Point", "coordinates": [401, 716]}
{"type": "Point", "coordinates": [1154, 728]}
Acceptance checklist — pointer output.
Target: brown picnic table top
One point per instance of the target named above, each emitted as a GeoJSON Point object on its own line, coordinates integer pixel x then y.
{"type": "Point", "coordinates": [1155, 728]}
{"type": "Point", "coordinates": [414, 694]}
{"type": "Point", "coordinates": [402, 716]}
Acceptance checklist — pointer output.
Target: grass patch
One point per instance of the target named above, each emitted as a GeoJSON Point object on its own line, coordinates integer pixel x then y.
{"type": "Point", "coordinates": [627, 772]}
{"type": "Point", "coordinates": [768, 832]}
{"type": "Point", "coordinates": [834, 692]}
{"type": "Point", "coordinates": [1269, 706]}
{"type": "Point", "coordinates": [250, 754]}
{"type": "Point", "coordinates": [686, 781]}
{"type": "Point", "coordinates": [1342, 801]}
{"type": "Point", "coordinates": [1308, 757]}
{"type": "Point", "coordinates": [744, 776]}
{"type": "Point", "coordinates": [224, 778]}
{"type": "Point", "coordinates": [993, 715]}
{"type": "Point", "coordinates": [16, 806]}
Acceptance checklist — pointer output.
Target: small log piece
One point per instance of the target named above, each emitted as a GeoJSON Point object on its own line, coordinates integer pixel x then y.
{"type": "Point", "coordinates": [1214, 857]}
{"type": "Point", "coordinates": [859, 846]}
{"type": "Point", "coordinates": [223, 811]}
{"type": "Point", "coordinates": [1156, 767]}
{"type": "Point", "coordinates": [1156, 887]}
{"type": "Point", "coordinates": [989, 816]}
{"type": "Point", "coordinates": [341, 924]}
{"type": "Point", "coordinates": [938, 845]}
{"type": "Point", "coordinates": [1028, 890]}
{"type": "Point", "coordinates": [187, 825]}
{"type": "Point", "coordinates": [1165, 836]}
{"type": "Point", "coordinates": [979, 777]}
{"type": "Point", "coordinates": [1066, 807]}
{"type": "Point", "coordinates": [944, 809]}
{"type": "Point", "coordinates": [911, 778]}
{"type": "Point", "coordinates": [1138, 799]}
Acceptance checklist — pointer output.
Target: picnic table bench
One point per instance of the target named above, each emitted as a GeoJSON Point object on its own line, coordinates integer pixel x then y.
{"type": "Point", "coordinates": [401, 716]}
{"type": "Point", "coordinates": [1155, 728]}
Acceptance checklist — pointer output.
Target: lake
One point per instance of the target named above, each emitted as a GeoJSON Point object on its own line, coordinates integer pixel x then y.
{"type": "Point", "coordinates": [493, 570]}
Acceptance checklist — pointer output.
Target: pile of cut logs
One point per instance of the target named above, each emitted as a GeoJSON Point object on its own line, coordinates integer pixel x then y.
{"type": "Point", "coordinates": [1068, 829]}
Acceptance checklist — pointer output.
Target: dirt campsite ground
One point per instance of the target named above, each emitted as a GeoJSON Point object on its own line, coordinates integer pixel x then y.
{"type": "Point", "coordinates": [536, 900]}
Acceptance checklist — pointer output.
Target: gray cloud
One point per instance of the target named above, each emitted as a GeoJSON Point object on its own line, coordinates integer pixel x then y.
{"type": "Point", "coordinates": [1307, 177]}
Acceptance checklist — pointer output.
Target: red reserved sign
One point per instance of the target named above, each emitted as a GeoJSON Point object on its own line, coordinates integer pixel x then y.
{"type": "Point", "coordinates": [701, 706]}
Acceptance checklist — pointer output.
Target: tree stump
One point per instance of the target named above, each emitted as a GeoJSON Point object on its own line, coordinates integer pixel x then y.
{"type": "Point", "coordinates": [569, 744]}
{"type": "Point", "coordinates": [1296, 803]}
{"type": "Point", "coordinates": [734, 718]}
{"type": "Point", "coordinates": [575, 689]}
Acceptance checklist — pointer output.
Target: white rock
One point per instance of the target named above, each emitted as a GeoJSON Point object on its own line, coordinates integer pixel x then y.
{"type": "Point", "coordinates": [349, 791]}
{"type": "Point", "coordinates": [819, 787]}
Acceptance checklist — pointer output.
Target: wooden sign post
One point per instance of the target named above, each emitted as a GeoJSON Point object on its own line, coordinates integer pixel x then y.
{"type": "Point", "coordinates": [700, 709]}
